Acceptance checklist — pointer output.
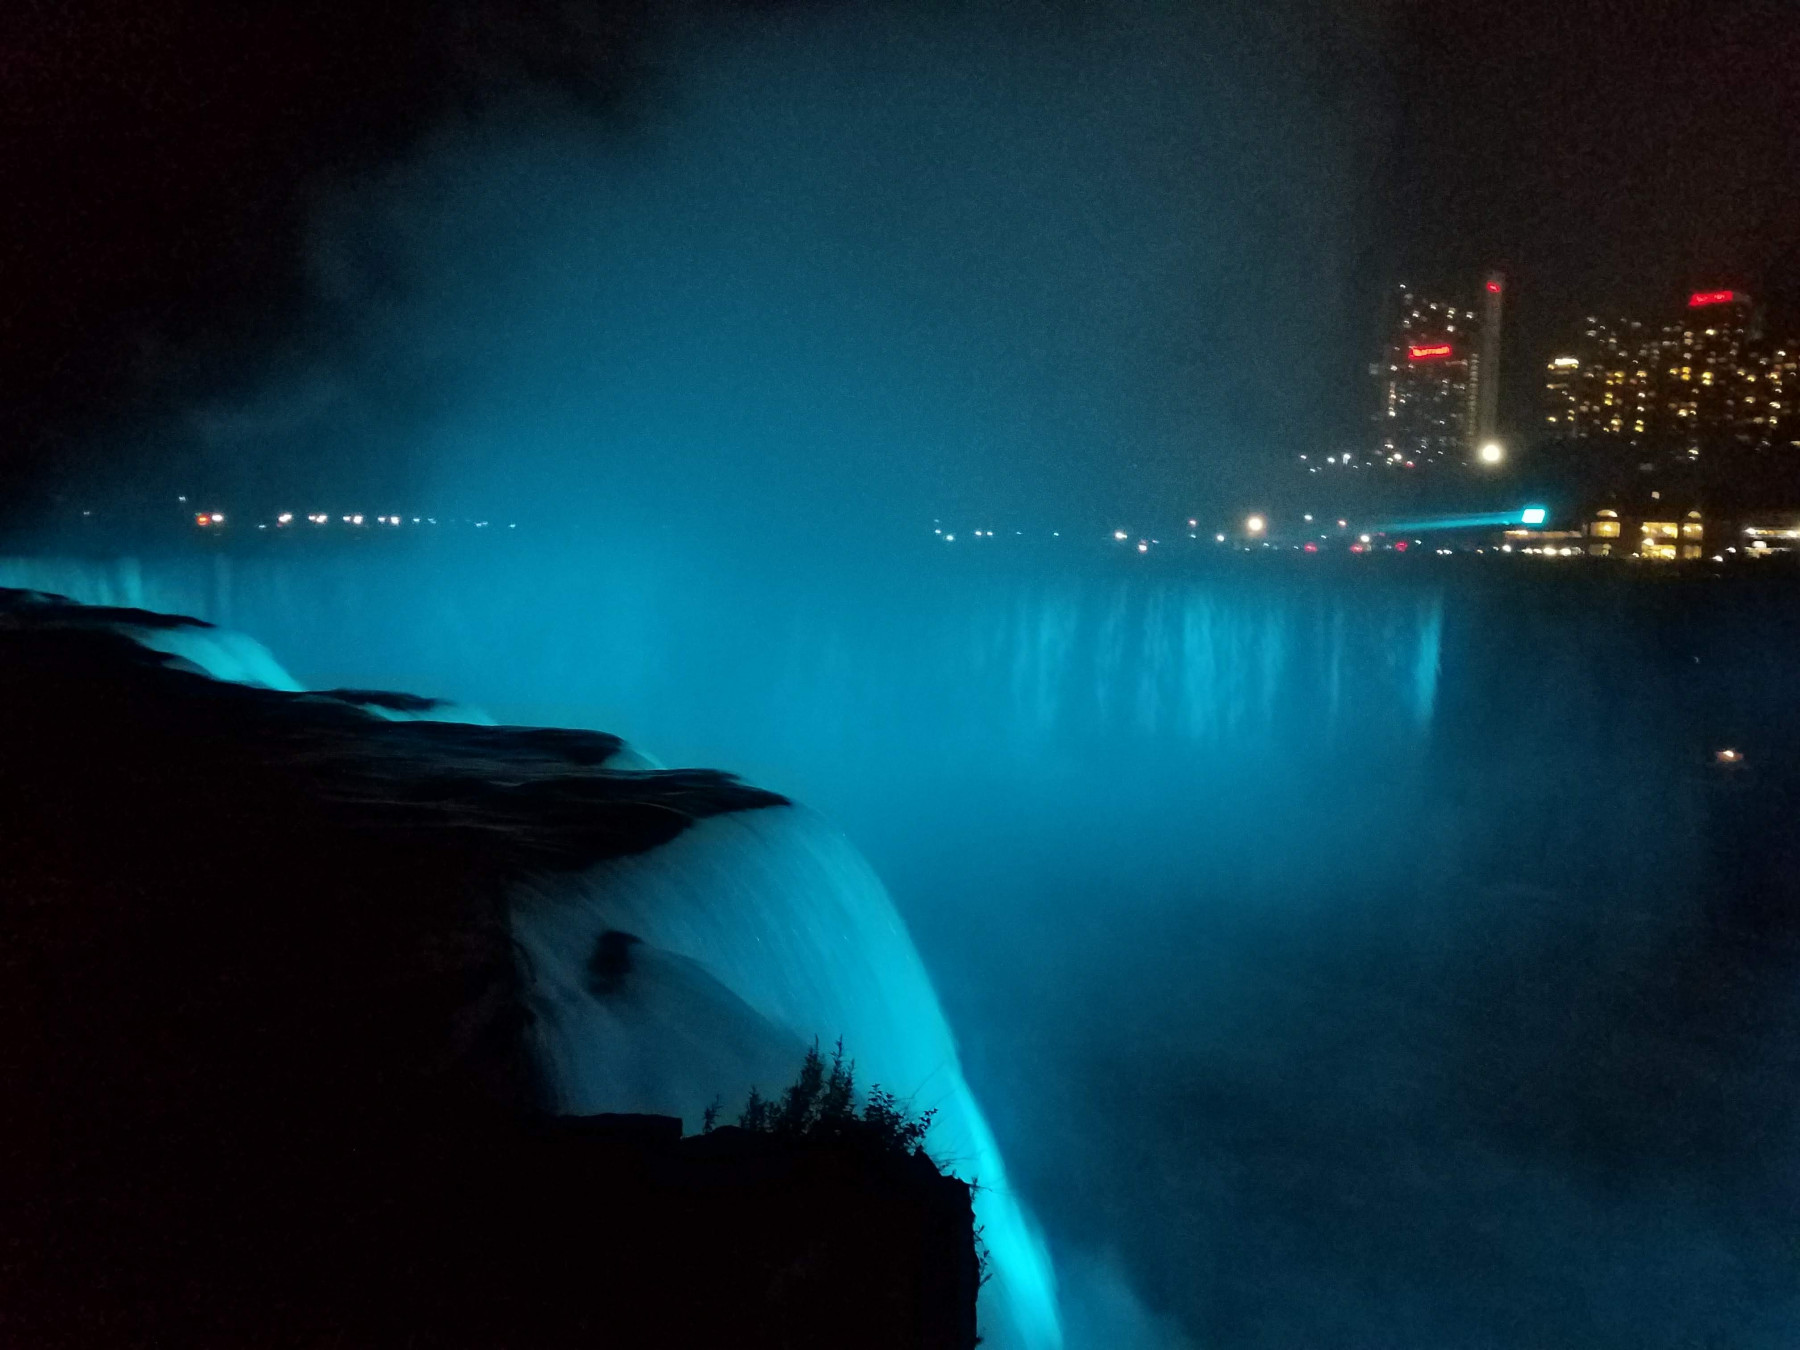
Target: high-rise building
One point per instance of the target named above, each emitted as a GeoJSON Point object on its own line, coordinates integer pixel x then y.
{"type": "Point", "coordinates": [1701, 395]}
{"type": "Point", "coordinates": [1705, 375]}
{"type": "Point", "coordinates": [1563, 403]}
{"type": "Point", "coordinates": [1429, 383]}
{"type": "Point", "coordinates": [1603, 386]}
{"type": "Point", "coordinates": [1769, 401]}
{"type": "Point", "coordinates": [1486, 374]}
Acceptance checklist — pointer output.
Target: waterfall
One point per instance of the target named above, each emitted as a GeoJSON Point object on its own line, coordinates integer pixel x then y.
{"type": "Point", "coordinates": [804, 943]}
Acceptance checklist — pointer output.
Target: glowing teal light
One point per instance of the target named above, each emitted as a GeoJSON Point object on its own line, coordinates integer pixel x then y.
{"type": "Point", "coordinates": [1529, 515]}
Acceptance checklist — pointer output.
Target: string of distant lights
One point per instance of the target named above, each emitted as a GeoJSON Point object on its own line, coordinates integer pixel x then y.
{"type": "Point", "coordinates": [216, 520]}
{"type": "Point", "coordinates": [1256, 530]}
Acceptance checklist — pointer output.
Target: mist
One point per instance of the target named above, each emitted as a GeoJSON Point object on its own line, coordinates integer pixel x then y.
{"type": "Point", "coordinates": [838, 266]}
{"type": "Point", "coordinates": [1341, 957]}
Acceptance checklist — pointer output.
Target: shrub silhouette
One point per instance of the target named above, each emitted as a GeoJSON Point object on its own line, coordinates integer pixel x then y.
{"type": "Point", "coordinates": [821, 1103]}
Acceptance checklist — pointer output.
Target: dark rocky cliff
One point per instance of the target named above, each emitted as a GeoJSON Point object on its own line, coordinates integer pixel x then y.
{"type": "Point", "coordinates": [264, 1075]}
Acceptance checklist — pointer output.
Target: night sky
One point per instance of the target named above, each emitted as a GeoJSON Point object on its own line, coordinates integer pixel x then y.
{"type": "Point", "coordinates": [165, 162]}
{"type": "Point", "coordinates": [1610, 156]}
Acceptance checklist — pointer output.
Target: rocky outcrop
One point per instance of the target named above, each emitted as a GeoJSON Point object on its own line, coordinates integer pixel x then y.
{"type": "Point", "coordinates": [263, 1065]}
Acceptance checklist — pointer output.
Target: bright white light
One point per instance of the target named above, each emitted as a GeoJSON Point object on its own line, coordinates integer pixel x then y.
{"type": "Point", "coordinates": [1343, 524]}
{"type": "Point", "coordinates": [218, 518]}
{"type": "Point", "coordinates": [1143, 547]}
{"type": "Point", "coordinates": [1532, 515]}
{"type": "Point", "coordinates": [1219, 537]}
{"type": "Point", "coordinates": [1491, 453]}
{"type": "Point", "coordinates": [285, 518]}
{"type": "Point", "coordinates": [1193, 524]}
{"type": "Point", "coordinates": [1363, 537]}
{"type": "Point", "coordinates": [949, 539]}
{"type": "Point", "coordinates": [1256, 524]}
{"type": "Point", "coordinates": [1119, 535]}
{"type": "Point", "coordinates": [1309, 516]}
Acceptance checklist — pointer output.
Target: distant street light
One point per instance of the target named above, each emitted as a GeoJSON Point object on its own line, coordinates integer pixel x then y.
{"type": "Point", "coordinates": [1256, 524]}
{"type": "Point", "coordinates": [1492, 453]}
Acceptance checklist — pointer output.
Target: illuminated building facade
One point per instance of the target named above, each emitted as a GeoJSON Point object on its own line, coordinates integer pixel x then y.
{"type": "Point", "coordinates": [1767, 404]}
{"type": "Point", "coordinates": [1654, 537]}
{"type": "Point", "coordinates": [1563, 396]}
{"type": "Point", "coordinates": [1605, 386]}
{"type": "Point", "coordinates": [1701, 396]}
{"type": "Point", "coordinates": [1429, 381]}
{"type": "Point", "coordinates": [1705, 374]}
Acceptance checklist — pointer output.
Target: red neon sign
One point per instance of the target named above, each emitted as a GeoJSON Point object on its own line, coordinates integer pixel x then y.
{"type": "Point", "coordinates": [1437, 353]}
{"type": "Point", "coordinates": [1702, 298]}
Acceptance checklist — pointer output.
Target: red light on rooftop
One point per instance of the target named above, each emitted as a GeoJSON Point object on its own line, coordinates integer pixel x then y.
{"type": "Point", "coordinates": [1700, 299]}
{"type": "Point", "coordinates": [1493, 288]}
{"type": "Point", "coordinates": [1311, 547]}
{"type": "Point", "coordinates": [1433, 353]}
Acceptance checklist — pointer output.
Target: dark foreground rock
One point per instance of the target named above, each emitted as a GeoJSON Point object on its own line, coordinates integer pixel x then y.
{"type": "Point", "coordinates": [263, 1077]}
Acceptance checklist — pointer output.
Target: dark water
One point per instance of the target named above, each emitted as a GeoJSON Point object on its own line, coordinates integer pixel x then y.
{"type": "Point", "coordinates": [1373, 958]}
